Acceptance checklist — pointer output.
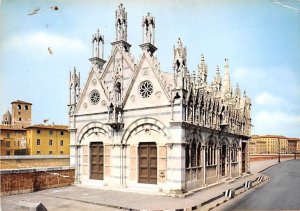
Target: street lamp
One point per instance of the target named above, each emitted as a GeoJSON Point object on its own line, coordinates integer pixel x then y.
{"type": "Point", "coordinates": [278, 150]}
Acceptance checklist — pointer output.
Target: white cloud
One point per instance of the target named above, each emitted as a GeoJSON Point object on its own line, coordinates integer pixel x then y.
{"type": "Point", "coordinates": [276, 117]}
{"type": "Point", "coordinates": [276, 122]}
{"type": "Point", "coordinates": [44, 40]}
{"type": "Point", "coordinates": [265, 98]}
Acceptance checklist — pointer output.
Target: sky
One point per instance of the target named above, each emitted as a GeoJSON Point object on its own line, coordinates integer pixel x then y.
{"type": "Point", "coordinates": [261, 40]}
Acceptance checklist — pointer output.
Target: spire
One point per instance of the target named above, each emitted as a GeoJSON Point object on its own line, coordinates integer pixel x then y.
{"type": "Point", "coordinates": [74, 90]}
{"type": "Point", "coordinates": [179, 65]}
{"type": "Point", "coordinates": [217, 82]}
{"type": "Point", "coordinates": [98, 51]}
{"type": "Point", "coordinates": [202, 72]}
{"type": "Point", "coordinates": [121, 30]}
{"type": "Point", "coordinates": [148, 24]}
{"type": "Point", "coordinates": [226, 85]}
{"type": "Point", "coordinates": [148, 29]}
{"type": "Point", "coordinates": [121, 23]}
{"type": "Point", "coordinates": [98, 45]}
{"type": "Point", "coordinates": [237, 91]}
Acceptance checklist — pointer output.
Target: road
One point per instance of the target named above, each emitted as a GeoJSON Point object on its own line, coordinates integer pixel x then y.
{"type": "Point", "coordinates": [281, 192]}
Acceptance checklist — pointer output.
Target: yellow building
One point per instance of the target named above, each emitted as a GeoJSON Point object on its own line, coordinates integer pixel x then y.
{"type": "Point", "coordinates": [13, 140]}
{"type": "Point", "coordinates": [48, 140]}
{"type": "Point", "coordinates": [268, 144]}
{"type": "Point", "coordinates": [12, 132]}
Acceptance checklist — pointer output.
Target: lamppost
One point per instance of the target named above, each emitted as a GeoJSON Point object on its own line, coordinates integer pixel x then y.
{"type": "Point", "coordinates": [278, 150]}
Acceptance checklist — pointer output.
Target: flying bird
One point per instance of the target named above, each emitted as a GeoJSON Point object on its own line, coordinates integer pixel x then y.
{"type": "Point", "coordinates": [54, 7]}
{"type": "Point", "coordinates": [34, 12]}
{"type": "Point", "coordinates": [49, 50]}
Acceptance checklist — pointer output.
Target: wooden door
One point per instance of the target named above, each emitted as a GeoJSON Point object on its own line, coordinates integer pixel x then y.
{"type": "Point", "coordinates": [243, 157]}
{"type": "Point", "coordinates": [97, 160]}
{"type": "Point", "coordinates": [148, 163]}
{"type": "Point", "coordinates": [223, 159]}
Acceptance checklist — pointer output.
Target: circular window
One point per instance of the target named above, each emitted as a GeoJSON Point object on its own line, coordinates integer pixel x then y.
{"type": "Point", "coordinates": [146, 89]}
{"type": "Point", "coordinates": [94, 97]}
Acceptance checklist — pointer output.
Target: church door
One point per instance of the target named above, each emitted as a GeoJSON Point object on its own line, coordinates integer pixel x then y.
{"type": "Point", "coordinates": [148, 163]}
{"type": "Point", "coordinates": [97, 160]}
{"type": "Point", "coordinates": [243, 157]}
{"type": "Point", "coordinates": [223, 159]}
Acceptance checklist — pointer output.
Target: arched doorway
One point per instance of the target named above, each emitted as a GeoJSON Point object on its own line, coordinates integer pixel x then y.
{"type": "Point", "coordinates": [147, 162]}
{"type": "Point", "coordinates": [223, 159]}
{"type": "Point", "coordinates": [97, 160]}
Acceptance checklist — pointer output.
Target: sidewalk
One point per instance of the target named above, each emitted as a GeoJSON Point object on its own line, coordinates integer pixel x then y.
{"type": "Point", "coordinates": [79, 198]}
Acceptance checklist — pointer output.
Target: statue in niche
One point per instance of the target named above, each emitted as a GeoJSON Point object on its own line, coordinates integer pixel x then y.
{"type": "Point", "coordinates": [110, 110]}
{"type": "Point", "coordinates": [119, 117]}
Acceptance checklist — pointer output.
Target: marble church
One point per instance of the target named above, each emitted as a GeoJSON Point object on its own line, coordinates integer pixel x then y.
{"type": "Point", "coordinates": [135, 127]}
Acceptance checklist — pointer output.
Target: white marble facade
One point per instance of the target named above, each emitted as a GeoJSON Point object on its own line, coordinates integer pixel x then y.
{"type": "Point", "coordinates": [135, 127]}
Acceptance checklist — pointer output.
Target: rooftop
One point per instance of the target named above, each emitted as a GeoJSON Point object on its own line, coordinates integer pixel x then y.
{"type": "Point", "coordinates": [267, 136]}
{"type": "Point", "coordinates": [21, 102]}
{"type": "Point", "coordinates": [7, 127]}
{"type": "Point", "coordinates": [41, 126]}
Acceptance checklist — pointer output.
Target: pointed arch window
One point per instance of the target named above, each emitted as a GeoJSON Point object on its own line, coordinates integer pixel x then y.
{"type": "Point", "coordinates": [234, 152]}
{"type": "Point", "coordinates": [193, 154]}
{"type": "Point", "coordinates": [187, 156]}
{"type": "Point", "coordinates": [199, 155]}
{"type": "Point", "coordinates": [210, 153]}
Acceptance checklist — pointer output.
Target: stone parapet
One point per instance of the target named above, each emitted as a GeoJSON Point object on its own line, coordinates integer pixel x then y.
{"type": "Point", "coordinates": [16, 181]}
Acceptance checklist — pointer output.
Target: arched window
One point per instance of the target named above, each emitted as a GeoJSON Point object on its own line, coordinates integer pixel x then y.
{"type": "Point", "coordinates": [193, 154]}
{"type": "Point", "coordinates": [199, 155]}
{"type": "Point", "coordinates": [187, 156]}
{"type": "Point", "coordinates": [234, 152]}
{"type": "Point", "coordinates": [210, 153]}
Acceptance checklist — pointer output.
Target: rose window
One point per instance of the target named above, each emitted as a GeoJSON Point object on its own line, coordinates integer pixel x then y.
{"type": "Point", "coordinates": [146, 89]}
{"type": "Point", "coordinates": [94, 97]}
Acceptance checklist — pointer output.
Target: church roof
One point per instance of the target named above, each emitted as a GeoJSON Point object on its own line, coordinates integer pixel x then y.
{"type": "Point", "coordinates": [21, 102]}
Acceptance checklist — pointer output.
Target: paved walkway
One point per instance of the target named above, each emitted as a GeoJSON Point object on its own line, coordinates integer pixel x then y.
{"type": "Point", "coordinates": [79, 198]}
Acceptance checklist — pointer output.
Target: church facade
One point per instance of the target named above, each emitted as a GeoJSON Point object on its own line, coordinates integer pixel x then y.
{"type": "Point", "coordinates": [136, 128]}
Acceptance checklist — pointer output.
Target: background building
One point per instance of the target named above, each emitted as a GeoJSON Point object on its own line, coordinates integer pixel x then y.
{"type": "Point", "coordinates": [13, 132]}
{"type": "Point", "coordinates": [271, 144]}
{"type": "Point", "coordinates": [13, 140]}
{"type": "Point", "coordinates": [48, 140]}
{"type": "Point", "coordinates": [21, 114]}
{"type": "Point", "coordinates": [292, 145]}
{"type": "Point", "coordinates": [18, 137]}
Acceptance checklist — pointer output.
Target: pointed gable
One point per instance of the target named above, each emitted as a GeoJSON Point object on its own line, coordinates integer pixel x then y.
{"type": "Point", "coordinates": [147, 89]}
{"type": "Point", "coordinates": [93, 99]}
{"type": "Point", "coordinates": [120, 67]}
